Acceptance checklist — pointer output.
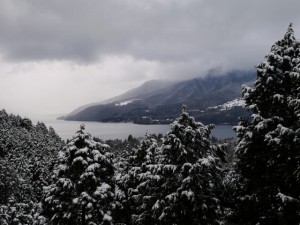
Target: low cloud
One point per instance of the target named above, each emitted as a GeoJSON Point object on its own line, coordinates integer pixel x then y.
{"type": "Point", "coordinates": [57, 55]}
{"type": "Point", "coordinates": [155, 30]}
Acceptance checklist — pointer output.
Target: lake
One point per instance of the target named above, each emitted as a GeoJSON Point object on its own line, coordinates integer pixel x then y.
{"type": "Point", "coordinates": [66, 129]}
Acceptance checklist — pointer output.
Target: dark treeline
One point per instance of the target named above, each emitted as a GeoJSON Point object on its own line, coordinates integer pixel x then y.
{"type": "Point", "coordinates": [182, 177]}
{"type": "Point", "coordinates": [28, 155]}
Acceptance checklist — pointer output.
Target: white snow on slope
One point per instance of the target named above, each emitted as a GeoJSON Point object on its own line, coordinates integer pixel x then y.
{"type": "Point", "coordinates": [229, 105]}
{"type": "Point", "coordinates": [126, 102]}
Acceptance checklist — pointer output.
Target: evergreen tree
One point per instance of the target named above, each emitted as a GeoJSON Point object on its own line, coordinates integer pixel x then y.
{"type": "Point", "coordinates": [182, 185]}
{"type": "Point", "coordinates": [191, 175]}
{"type": "Point", "coordinates": [27, 155]}
{"type": "Point", "coordinates": [269, 145]}
{"type": "Point", "coordinates": [83, 189]}
{"type": "Point", "coordinates": [129, 199]}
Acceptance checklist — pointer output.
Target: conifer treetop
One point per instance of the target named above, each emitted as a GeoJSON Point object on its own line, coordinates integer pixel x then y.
{"type": "Point", "coordinates": [268, 147]}
{"type": "Point", "coordinates": [289, 36]}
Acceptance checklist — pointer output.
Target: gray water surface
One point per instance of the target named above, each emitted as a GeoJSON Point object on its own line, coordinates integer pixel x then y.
{"type": "Point", "coordinates": [66, 129]}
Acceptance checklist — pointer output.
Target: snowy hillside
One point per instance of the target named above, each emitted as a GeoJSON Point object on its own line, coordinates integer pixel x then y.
{"type": "Point", "coordinates": [126, 102]}
{"type": "Point", "coordinates": [228, 105]}
{"type": "Point", "coordinates": [161, 101]}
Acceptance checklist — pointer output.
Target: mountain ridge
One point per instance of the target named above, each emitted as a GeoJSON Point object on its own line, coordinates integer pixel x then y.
{"type": "Point", "coordinates": [158, 101]}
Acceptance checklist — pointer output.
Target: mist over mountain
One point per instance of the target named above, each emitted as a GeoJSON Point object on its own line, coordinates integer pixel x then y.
{"type": "Point", "coordinates": [159, 101]}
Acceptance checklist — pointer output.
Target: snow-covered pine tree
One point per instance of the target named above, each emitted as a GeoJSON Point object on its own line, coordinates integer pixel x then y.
{"type": "Point", "coordinates": [83, 188]}
{"type": "Point", "coordinates": [27, 153]}
{"type": "Point", "coordinates": [130, 177]}
{"type": "Point", "coordinates": [183, 183]}
{"type": "Point", "coordinates": [269, 145]}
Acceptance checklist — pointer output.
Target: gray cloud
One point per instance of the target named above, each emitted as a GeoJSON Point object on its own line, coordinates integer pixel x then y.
{"type": "Point", "coordinates": [166, 30]}
{"type": "Point", "coordinates": [56, 55]}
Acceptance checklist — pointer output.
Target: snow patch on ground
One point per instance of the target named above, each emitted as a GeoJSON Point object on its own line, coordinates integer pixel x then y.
{"type": "Point", "coordinates": [229, 105]}
{"type": "Point", "coordinates": [126, 102]}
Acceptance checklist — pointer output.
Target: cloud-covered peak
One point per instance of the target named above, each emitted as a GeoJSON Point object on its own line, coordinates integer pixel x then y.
{"type": "Point", "coordinates": [169, 30]}
{"type": "Point", "coordinates": [51, 49]}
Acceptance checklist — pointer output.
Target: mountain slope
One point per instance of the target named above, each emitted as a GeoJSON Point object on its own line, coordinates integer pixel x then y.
{"type": "Point", "coordinates": [147, 88]}
{"type": "Point", "coordinates": [160, 101]}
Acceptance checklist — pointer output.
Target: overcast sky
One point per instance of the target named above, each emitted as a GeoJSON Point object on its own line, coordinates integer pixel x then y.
{"type": "Point", "coordinates": [60, 54]}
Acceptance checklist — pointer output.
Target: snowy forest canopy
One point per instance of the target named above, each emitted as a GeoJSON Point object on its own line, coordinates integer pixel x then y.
{"type": "Point", "coordinates": [184, 177]}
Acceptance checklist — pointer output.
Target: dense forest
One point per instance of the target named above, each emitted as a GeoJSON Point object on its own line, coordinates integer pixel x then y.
{"type": "Point", "coordinates": [183, 177]}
